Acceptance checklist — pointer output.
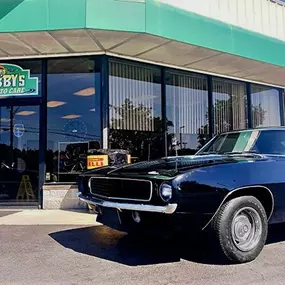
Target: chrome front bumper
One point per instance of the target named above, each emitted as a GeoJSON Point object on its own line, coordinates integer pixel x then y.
{"type": "Point", "coordinates": [168, 209]}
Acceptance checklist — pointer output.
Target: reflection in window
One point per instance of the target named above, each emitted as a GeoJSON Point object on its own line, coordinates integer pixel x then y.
{"type": "Point", "coordinates": [271, 142]}
{"type": "Point", "coordinates": [19, 144]}
{"type": "Point", "coordinates": [265, 106]}
{"type": "Point", "coordinates": [74, 116]}
{"type": "Point", "coordinates": [19, 152]}
{"type": "Point", "coordinates": [187, 112]}
{"type": "Point", "coordinates": [135, 110]}
{"type": "Point", "coordinates": [229, 100]}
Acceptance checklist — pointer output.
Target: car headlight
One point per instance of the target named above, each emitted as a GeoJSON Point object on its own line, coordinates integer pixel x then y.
{"type": "Point", "coordinates": [165, 192]}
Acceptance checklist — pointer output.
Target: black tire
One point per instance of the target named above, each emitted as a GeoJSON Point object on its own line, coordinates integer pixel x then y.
{"type": "Point", "coordinates": [229, 228]}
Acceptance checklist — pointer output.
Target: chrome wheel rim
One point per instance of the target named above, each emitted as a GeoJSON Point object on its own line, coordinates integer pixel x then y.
{"type": "Point", "coordinates": [246, 229]}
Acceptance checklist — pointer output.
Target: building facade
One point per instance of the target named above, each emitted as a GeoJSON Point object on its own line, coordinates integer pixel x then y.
{"type": "Point", "coordinates": [78, 76]}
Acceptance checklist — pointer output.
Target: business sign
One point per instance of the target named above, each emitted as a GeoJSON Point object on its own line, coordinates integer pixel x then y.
{"type": "Point", "coordinates": [15, 81]}
{"type": "Point", "coordinates": [95, 161]}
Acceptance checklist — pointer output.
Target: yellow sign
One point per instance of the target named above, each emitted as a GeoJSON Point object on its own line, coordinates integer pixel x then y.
{"type": "Point", "coordinates": [95, 161]}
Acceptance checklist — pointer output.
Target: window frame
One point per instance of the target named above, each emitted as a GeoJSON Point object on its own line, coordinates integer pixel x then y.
{"type": "Point", "coordinates": [98, 59]}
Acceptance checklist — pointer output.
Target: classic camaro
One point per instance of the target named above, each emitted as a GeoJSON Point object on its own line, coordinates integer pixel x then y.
{"type": "Point", "coordinates": [234, 187]}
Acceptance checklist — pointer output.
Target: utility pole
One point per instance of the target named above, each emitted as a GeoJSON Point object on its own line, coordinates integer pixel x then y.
{"type": "Point", "coordinates": [181, 136]}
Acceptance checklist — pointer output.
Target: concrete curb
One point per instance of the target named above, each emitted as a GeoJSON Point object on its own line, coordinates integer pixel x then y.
{"type": "Point", "coordinates": [49, 217]}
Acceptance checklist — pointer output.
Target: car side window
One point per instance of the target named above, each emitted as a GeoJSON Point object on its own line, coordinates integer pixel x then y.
{"type": "Point", "coordinates": [270, 142]}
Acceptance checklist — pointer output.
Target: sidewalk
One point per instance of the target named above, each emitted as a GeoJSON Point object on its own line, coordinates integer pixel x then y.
{"type": "Point", "coordinates": [46, 217]}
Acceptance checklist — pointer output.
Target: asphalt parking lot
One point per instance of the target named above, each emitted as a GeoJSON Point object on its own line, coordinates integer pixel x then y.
{"type": "Point", "coordinates": [58, 254]}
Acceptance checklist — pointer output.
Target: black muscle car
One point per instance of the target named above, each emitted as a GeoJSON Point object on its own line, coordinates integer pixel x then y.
{"type": "Point", "coordinates": [234, 187]}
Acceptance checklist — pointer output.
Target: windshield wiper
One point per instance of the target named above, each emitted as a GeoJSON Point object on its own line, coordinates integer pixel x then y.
{"type": "Point", "coordinates": [249, 153]}
{"type": "Point", "coordinates": [228, 152]}
{"type": "Point", "coordinates": [241, 152]}
{"type": "Point", "coordinates": [207, 153]}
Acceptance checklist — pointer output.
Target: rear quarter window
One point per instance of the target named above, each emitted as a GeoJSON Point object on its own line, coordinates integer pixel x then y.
{"type": "Point", "coordinates": [270, 142]}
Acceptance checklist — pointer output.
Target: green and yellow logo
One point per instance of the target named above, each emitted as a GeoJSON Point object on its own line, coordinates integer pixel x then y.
{"type": "Point", "coordinates": [15, 81]}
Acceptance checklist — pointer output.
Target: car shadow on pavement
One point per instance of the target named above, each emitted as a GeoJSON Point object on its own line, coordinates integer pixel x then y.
{"type": "Point", "coordinates": [108, 244]}
{"type": "Point", "coordinates": [105, 243]}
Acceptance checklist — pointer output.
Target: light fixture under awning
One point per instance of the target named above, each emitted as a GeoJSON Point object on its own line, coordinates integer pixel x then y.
{"type": "Point", "coordinates": [86, 92]}
{"type": "Point", "coordinates": [25, 113]}
{"type": "Point", "coordinates": [54, 104]}
{"type": "Point", "coordinates": [72, 116]}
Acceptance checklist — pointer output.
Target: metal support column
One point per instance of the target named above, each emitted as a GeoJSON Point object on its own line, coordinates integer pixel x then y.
{"type": "Point", "coordinates": [249, 108]}
{"type": "Point", "coordinates": [281, 104]}
{"type": "Point", "coordinates": [105, 100]}
{"type": "Point", "coordinates": [43, 133]}
{"type": "Point", "coordinates": [163, 111]}
{"type": "Point", "coordinates": [210, 106]}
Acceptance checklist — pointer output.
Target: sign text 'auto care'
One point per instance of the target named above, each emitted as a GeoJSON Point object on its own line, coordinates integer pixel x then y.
{"type": "Point", "coordinates": [15, 81]}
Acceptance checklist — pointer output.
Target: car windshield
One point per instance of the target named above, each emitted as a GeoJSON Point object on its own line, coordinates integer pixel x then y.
{"type": "Point", "coordinates": [236, 142]}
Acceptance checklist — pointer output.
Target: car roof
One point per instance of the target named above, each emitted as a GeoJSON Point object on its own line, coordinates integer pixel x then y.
{"type": "Point", "coordinates": [281, 128]}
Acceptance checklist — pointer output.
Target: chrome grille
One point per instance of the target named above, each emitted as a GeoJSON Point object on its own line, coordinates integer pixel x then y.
{"type": "Point", "coordinates": [121, 188]}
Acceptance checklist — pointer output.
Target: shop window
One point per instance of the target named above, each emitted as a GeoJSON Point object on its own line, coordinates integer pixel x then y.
{"type": "Point", "coordinates": [186, 113]}
{"type": "Point", "coordinates": [19, 131]}
{"type": "Point", "coordinates": [19, 153]}
{"type": "Point", "coordinates": [229, 105]}
{"type": "Point", "coordinates": [265, 106]}
{"type": "Point", "coordinates": [73, 116]}
{"type": "Point", "coordinates": [135, 110]}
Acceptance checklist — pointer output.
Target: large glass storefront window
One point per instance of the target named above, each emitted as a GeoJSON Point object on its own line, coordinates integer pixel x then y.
{"type": "Point", "coordinates": [186, 112]}
{"type": "Point", "coordinates": [265, 106]}
{"type": "Point", "coordinates": [229, 104]}
{"type": "Point", "coordinates": [135, 110]}
{"type": "Point", "coordinates": [73, 116]}
{"type": "Point", "coordinates": [19, 132]}
{"type": "Point", "coordinates": [19, 153]}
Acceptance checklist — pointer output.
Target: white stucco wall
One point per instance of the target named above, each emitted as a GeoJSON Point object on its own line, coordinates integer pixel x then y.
{"type": "Point", "coordinates": [262, 16]}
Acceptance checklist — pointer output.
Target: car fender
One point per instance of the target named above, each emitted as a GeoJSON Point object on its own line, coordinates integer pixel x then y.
{"type": "Point", "coordinates": [231, 193]}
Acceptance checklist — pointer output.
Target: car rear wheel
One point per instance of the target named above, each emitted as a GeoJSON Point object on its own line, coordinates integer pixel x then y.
{"type": "Point", "coordinates": [240, 229]}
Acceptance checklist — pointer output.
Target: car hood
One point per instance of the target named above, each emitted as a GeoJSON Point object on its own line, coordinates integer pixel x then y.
{"type": "Point", "coordinates": [172, 166]}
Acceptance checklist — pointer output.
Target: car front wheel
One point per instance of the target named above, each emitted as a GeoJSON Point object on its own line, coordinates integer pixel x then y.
{"type": "Point", "coordinates": [240, 229]}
